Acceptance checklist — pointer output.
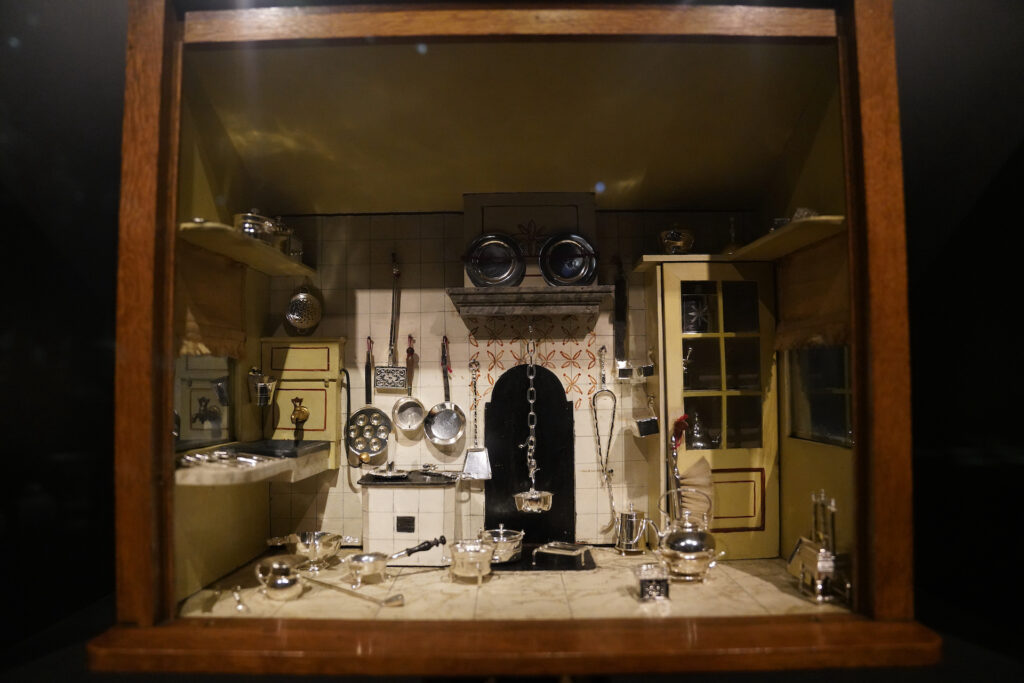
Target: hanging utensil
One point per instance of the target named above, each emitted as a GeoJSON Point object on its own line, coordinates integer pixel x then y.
{"type": "Point", "coordinates": [478, 463]}
{"type": "Point", "coordinates": [646, 426]}
{"type": "Point", "coordinates": [304, 311]}
{"type": "Point", "coordinates": [369, 428]}
{"type": "Point", "coordinates": [532, 500]}
{"type": "Point", "coordinates": [408, 412]}
{"type": "Point", "coordinates": [623, 368]}
{"type": "Point", "coordinates": [602, 458]}
{"type": "Point", "coordinates": [392, 375]}
{"type": "Point", "coordinates": [445, 424]}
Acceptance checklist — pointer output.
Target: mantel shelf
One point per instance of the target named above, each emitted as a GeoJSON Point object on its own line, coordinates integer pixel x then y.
{"type": "Point", "coordinates": [522, 301]}
{"type": "Point", "coordinates": [226, 241]}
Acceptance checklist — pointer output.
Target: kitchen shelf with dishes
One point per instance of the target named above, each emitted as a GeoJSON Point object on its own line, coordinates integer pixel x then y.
{"type": "Point", "coordinates": [241, 463]}
{"type": "Point", "coordinates": [228, 241]}
{"type": "Point", "coordinates": [523, 301]}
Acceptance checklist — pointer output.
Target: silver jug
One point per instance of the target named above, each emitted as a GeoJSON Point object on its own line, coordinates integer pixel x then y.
{"type": "Point", "coordinates": [630, 532]}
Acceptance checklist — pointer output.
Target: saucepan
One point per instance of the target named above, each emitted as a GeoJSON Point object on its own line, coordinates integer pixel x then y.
{"type": "Point", "coordinates": [370, 564]}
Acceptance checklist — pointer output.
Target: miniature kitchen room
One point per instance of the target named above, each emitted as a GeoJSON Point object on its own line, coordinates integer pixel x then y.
{"type": "Point", "coordinates": [484, 331]}
{"type": "Point", "coordinates": [406, 310]}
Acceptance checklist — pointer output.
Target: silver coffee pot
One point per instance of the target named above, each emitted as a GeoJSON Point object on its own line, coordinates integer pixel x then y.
{"type": "Point", "coordinates": [630, 532]}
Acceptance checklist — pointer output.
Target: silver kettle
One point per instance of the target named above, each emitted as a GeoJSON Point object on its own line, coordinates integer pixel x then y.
{"type": "Point", "coordinates": [686, 546]}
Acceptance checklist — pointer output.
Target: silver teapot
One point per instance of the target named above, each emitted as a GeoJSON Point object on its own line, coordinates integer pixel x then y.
{"type": "Point", "coordinates": [687, 547]}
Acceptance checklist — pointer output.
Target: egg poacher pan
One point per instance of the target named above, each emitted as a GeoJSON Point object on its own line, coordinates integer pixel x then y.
{"type": "Point", "coordinates": [369, 428]}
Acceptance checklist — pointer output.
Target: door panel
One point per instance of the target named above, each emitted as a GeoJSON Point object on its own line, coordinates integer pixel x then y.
{"type": "Point", "coordinates": [722, 315]}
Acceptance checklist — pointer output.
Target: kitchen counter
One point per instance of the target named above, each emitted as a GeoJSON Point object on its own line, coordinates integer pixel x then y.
{"type": "Point", "coordinates": [738, 588]}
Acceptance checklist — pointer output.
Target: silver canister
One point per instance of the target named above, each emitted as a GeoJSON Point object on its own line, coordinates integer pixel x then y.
{"type": "Point", "coordinates": [630, 528]}
{"type": "Point", "coordinates": [653, 581]}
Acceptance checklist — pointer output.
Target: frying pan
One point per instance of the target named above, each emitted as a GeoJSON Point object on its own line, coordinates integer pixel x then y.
{"type": "Point", "coordinates": [408, 412]}
{"type": "Point", "coordinates": [445, 424]}
{"type": "Point", "coordinates": [369, 428]}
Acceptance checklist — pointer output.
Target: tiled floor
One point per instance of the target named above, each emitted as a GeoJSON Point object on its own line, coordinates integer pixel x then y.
{"type": "Point", "coordinates": [738, 588]}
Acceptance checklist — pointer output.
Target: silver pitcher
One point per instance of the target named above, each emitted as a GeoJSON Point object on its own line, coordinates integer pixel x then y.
{"type": "Point", "coordinates": [630, 532]}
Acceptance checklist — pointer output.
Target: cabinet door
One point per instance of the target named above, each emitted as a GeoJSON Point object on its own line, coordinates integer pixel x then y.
{"type": "Point", "coordinates": [720, 318]}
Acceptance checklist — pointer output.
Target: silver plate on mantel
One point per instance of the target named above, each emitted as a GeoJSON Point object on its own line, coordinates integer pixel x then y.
{"type": "Point", "coordinates": [495, 260]}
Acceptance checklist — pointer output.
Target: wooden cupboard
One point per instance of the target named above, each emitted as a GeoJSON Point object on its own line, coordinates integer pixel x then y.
{"type": "Point", "coordinates": [149, 638]}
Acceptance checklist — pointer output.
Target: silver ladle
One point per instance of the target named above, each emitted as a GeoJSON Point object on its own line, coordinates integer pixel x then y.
{"type": "Point", "coordinates": [390, 601]}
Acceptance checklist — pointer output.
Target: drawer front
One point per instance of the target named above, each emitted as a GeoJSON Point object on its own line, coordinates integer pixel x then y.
{"type": "Point", "coordinates": [319, 397]}
{"type": "Point", "coordinates": [284, 358]}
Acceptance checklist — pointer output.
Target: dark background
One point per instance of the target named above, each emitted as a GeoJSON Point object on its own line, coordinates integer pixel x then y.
{"type": "Point", "coordinates": [961, 77]}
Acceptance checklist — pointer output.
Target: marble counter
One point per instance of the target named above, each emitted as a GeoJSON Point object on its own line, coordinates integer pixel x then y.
{"type": "Point", "coordinates": [738, 588]}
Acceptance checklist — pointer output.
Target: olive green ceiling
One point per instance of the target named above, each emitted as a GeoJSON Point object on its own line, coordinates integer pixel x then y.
{"type": "Point", "coordinates": [411, 127]}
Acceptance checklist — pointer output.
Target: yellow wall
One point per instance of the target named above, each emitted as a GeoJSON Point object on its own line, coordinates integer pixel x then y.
{"type": "Point", "coordinates": [216, 530]}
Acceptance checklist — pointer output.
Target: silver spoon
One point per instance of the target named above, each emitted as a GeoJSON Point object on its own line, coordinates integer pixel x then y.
{"type": "Point", "coordinates": [236, 593]}
{"type": "Point", "coordinates": [390, 601]}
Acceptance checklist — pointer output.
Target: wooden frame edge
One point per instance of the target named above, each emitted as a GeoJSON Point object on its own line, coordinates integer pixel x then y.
{"type": "Point", "coordinates": [881, 343]}
{"type": "Point", "coordinates": [146, 253]}
{"type": "Point", "coordinates": [406, 21]}
{"type": "Point", "coordinates": [524, 647]}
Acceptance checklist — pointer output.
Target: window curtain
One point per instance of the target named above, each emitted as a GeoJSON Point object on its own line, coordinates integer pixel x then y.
{"type": "Point", "coordinates": [209, 315]}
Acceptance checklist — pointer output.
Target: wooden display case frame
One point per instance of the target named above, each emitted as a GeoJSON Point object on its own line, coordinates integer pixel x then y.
{"type": "Point", "coordinates": [148, 637]}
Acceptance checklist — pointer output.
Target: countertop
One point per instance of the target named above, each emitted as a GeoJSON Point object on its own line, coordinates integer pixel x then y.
{"type": "Point", "coordinates": [737, 588]}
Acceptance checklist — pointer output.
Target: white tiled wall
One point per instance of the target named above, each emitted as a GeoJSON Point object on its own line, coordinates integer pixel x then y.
{"type": "Point", "coordinates": [354, 274]}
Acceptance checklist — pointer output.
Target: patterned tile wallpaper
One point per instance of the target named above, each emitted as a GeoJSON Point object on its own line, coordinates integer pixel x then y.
{"type": "Point", "coordinates": [354, 275]}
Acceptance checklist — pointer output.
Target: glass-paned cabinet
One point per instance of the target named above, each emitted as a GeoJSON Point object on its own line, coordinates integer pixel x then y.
{"type": "Point", "coordinates": [718, 328]}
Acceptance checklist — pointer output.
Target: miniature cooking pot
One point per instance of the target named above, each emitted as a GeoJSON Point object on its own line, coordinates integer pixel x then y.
{"type": "Point", "coordinates": [508, 543]}
{"type": "Point", "coordinates": [533, 501]}
{"type": "Point", "coordinates": [371, 564]}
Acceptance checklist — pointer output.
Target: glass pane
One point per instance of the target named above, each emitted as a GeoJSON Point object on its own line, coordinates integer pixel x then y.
{"type": "Point", "coordinates": [820, 395]}
{"type": "Point", "coordinates": [744, 422]}
{"type": "Point", "coordinates": [699, 306]}
{"type": "Point", "coordinates": [739, 307]}
{"type": "Point", "coordinates": [202, 401]}
{"type": "Point", "coordinates": [743, 364]}
{"type": "Point", "coordinates": [703, 370]}
{"type": "Point", "coordinates": [705, 422]}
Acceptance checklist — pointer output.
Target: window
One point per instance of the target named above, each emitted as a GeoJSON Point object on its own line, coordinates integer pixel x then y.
{"type": "Point", "coordinates": [820, 396]}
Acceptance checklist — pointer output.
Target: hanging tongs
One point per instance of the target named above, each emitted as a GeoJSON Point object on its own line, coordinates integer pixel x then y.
{"type": "Point", "coordinates": [603, 457]}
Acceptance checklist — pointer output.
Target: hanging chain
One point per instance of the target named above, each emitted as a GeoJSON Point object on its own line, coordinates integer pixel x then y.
{"type": "Point", "coordinates": [531, 420]}
{"type": "Point", "coordinates": [474, 368]}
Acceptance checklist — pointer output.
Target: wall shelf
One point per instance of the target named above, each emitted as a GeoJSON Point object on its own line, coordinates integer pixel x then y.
{"type": "Point", "coordinates": [791, 237]}
{"type": "Point", "coordinates": [226, 241]}
{"type": "Point", "coordinates": [280, 469]}
{"type": "Point", "coordinates": [522, 301]}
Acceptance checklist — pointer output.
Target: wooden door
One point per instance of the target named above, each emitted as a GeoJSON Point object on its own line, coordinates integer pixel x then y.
{"type": "Point", "coordinates": [721, 316]}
